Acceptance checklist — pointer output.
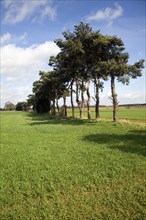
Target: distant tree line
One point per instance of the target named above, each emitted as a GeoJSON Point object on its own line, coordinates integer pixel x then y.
{"type": "Point", "coordinates": [85, 56]}
{"type": "Point", "coordinates": [9, 106]}
{"type": "Point", "coordinates": [20, 106]}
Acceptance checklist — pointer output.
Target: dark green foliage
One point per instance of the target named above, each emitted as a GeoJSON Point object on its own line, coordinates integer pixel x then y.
{"type": "Point", "coordinates": [42, 105]}
{"type": "Point", "coordinates": [21, 106]}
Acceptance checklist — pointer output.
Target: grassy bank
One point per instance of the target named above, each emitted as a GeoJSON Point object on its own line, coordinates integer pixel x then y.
{"type": "Point", "coordinates": [63, 169]}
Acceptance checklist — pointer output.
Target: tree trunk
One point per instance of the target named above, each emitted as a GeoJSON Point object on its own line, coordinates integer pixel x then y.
{"type": "Point", "coordinates": [88, 101]}
{"type": "Point", "coordinates": [97, 116]}
{"type": "Point", "coordinates": [82, 96]}
{"type": "Point", "coordinates": [49, 107]}
{"type": "Point", "coordinates": [57, 105]}
{"type": "Point", "coordinates": [53, 106]}
{"type": "Point", "coordinates": [77, 96]}
{"type": "Point", "coordinates": [115, 100]}
{"type": "Point", "coordinates": [65, 107]}
{"type": "Point", "coordinates": [72, 104]}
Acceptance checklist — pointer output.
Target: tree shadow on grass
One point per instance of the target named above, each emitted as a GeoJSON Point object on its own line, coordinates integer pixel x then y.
{"type": "Point", "coordinates": [133, 142]}
{"type": "Point", "coordinates": [42, 119]}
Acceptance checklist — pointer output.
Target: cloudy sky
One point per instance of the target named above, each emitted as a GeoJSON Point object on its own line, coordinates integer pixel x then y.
{"type": "Point", "coordinates": [29, 28]}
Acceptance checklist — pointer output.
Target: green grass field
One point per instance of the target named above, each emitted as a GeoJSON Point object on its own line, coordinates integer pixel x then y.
{"type": "Point", "coordinates": [132, 113]}
{"type": "Point", "coordinates": [71, 169]}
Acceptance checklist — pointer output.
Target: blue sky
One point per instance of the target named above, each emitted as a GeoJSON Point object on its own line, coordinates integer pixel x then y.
{"type": "Point", "coordinates": [28, 29]}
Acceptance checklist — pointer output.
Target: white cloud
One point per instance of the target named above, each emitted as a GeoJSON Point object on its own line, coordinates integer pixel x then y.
{"type": "Point", "coordinates": [10, 79]}
{"type": "Point", "coordinates": [20, 68]}
{"type": "Point", "coordinates": [17, 60]}
{"type": "Point", "coordinates": [9, 38]}
{"type": "Point", "coordinates": [108, 14]}
{"type": "Point", "coordinates": [14, 92]}
{"type": "Point", "coordinates": [130, 95]}
{"type": "Point", "coordinates": [5, 38]}
{"type": "Point", "coordinates": [18, 11]}
{"type": "Point", "coordinates": [22, 37]}
{"type": "Point", "coordinates": [126, 95]}
{"type": "Point", "coordinates": [50, 12]}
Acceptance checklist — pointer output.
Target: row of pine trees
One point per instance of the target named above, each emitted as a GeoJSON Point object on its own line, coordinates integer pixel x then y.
{"type": "Point", "coordinates": [85, 56]}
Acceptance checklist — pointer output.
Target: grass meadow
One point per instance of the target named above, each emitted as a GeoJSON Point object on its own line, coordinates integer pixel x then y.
{"type": "Point", "coordinates": [137, 114]}
{"type": "Point", "coordinates": [72, 169]}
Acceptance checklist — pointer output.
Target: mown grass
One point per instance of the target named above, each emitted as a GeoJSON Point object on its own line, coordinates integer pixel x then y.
{"type": "Point", "coordinates": [71, 169]}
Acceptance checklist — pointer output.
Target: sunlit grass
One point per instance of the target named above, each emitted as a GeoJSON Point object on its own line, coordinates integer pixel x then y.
{"type": "Point", "coordinates": [71, 169]}
{"type": "Point", "coordinates": [128, 113]}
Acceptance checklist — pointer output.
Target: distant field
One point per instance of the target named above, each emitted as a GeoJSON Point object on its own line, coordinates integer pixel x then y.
{"type": "Point", "coordinates": [128, 113]}
{"type": "Point", "coordinates": [72, 169]}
